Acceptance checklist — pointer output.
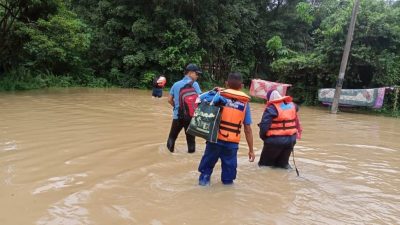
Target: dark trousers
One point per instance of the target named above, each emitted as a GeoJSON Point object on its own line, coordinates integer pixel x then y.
{"type": "Point", "coordinates": [176, 128]}
{"type": "Point", "coordinates": [157, 92]}
{"type": "Point", "coordinates": [228, 156]}
{"type": "Point", "coordinates": [276, 155]}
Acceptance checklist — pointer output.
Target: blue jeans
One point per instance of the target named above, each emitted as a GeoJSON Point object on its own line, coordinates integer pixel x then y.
{"type": "Point", "coordinates": [227, 152]}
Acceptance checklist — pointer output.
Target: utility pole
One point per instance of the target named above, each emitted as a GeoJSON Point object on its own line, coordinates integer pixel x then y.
{"type": "Point", "coordinates": [345, 57]}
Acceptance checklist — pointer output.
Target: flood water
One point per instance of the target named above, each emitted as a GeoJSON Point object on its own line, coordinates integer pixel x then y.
{"type": "Point", "coordinates": [94, 156]}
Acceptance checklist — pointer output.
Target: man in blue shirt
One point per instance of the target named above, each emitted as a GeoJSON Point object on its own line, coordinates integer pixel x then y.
{"type": "Point", "coordinates": [192, 72]}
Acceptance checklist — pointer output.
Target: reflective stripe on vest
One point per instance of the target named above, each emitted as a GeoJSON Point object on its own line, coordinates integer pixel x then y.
{"type": "Point", "coordinates": [285, 123]}
{"type": "Point", "coordinates": [232, 115]}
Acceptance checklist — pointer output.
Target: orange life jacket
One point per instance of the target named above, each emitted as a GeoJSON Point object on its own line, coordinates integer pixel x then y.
{"type": "Point", "coordinates": [232, 115]}
{"type": "Point", "coordinates": [285, 123]}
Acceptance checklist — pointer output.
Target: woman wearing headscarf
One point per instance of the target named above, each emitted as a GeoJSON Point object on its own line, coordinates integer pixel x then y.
{"type": "Point", "coordinates": [278, 130]}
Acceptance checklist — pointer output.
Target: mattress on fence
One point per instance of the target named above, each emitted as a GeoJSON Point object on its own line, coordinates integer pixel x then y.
{"type": "Point", "coordinates": [259, 88]}
{"type": "Point", "coordinates": [354, 97]}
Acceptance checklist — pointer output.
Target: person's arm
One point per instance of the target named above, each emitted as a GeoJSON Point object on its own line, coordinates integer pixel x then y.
{"type": "Point", "coordinates": [249, 138]}
{"type": "Point", "coordinates": [248, 132]}
{"type": "Point", "coordinates": [197, 87]}
{"type": "Point", "coordinates": [171, 96]}
{"type": "Point", "coordinates": [269, 114]}
{"type": "Point", "coordinates": [298, 124]}
{"type": "Point", "coordinates": [171, 100]}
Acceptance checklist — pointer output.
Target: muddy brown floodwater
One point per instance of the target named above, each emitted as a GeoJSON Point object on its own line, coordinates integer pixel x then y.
{"type": "Point", "coordinates": [98, 156]}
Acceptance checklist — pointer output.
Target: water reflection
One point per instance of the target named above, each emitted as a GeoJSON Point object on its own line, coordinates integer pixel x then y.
{"type": "Point", "coordinates": [90, 156]}
{"type": "Point", "coordinates": [68, 211]}
{"type": "Point", "coordinates": [59, 182]}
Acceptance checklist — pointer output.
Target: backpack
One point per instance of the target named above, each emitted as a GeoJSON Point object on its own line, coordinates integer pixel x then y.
{"type": "Point", "coordinates": [187, 101]}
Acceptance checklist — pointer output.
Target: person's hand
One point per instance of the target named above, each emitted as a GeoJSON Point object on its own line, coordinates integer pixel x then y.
{"type": "Point", "coordinates": [217, 89]}
{"type": "Point", "coordinates": [198, 100]}
{"type": "Point", "coordinates": [252, 156]}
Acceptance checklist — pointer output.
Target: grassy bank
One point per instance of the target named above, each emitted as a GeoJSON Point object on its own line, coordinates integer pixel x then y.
{"type": "Point", "coordinates": [25, 80]}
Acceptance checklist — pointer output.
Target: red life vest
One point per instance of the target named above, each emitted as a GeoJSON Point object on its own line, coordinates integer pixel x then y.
{"type": "Point", "coordinates": [285, 123]}
{"type": "Point", "coordinates": [232, 115]}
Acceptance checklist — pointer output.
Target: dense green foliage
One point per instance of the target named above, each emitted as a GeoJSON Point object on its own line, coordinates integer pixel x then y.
{"type": "Point", "coordinates": [126, 43]}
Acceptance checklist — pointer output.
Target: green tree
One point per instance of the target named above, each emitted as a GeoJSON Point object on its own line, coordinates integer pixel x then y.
{"type": "Point", "coordinates": [41, 36]}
